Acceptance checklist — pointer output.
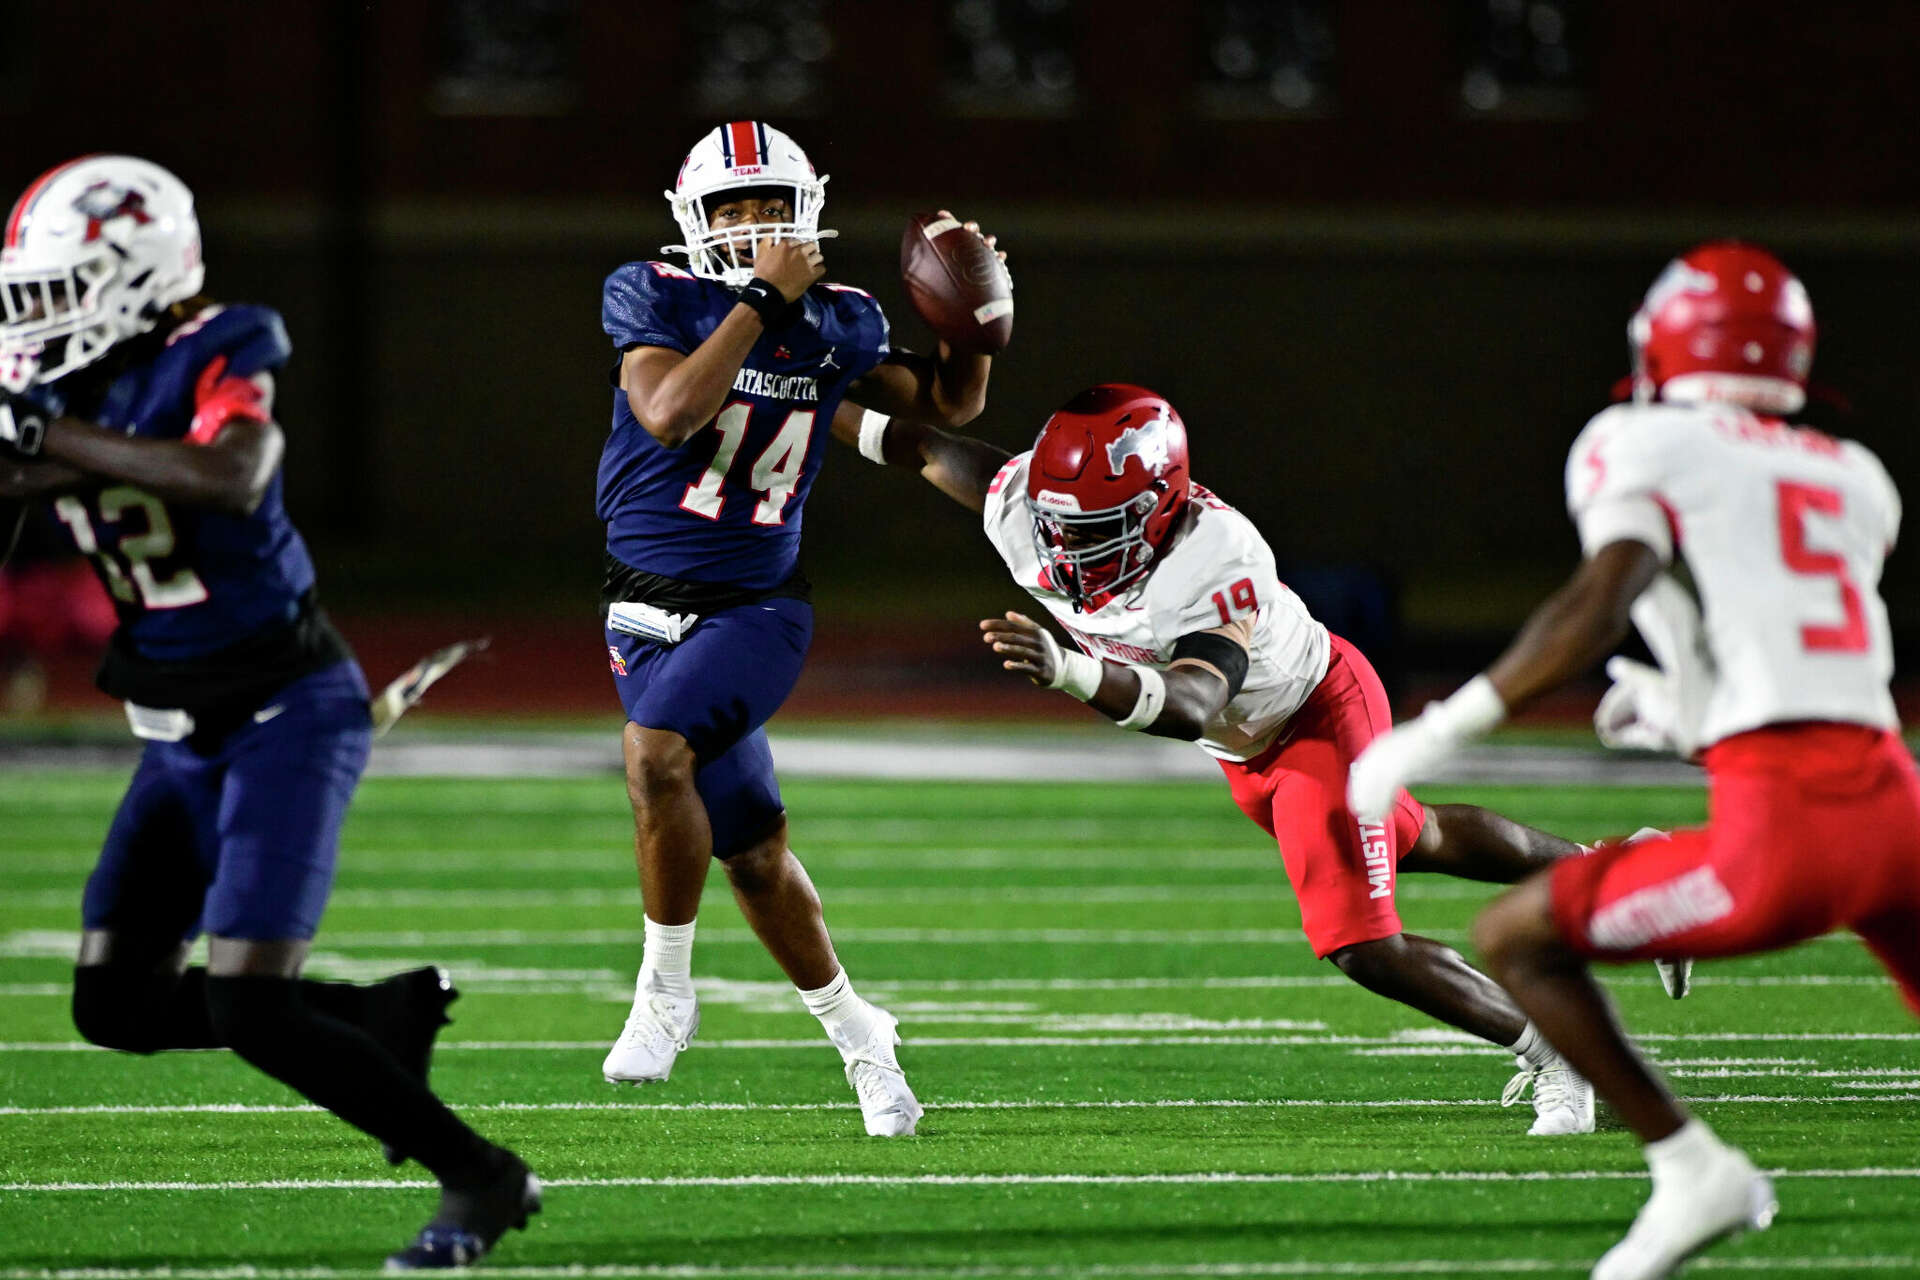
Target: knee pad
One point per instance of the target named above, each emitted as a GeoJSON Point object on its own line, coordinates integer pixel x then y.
{"type": "Point", "coordinates": [118, 1007]}
{"type": "Point", "coordinates": [257, 1017]}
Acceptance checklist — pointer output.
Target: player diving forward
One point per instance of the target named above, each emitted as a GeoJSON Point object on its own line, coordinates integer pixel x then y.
{"type": "Point", "coordinates": [1189, 634]}
{"type": "Point", "coordinates": [1778, 677]}
{"type": "Point", "coordinates": [726, 384]}
{"type": "Point", "coordinates": [145, 412]}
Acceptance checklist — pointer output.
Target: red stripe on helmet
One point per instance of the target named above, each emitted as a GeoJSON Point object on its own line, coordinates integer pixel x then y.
{"type": "Point", "coordinates": [16, 222]}
{"type": "Point", "coordinates": [746, 143]}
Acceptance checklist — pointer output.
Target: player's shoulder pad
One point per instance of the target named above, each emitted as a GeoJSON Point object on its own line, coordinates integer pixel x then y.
{"type": "Point", "coordinates": [636, 290]}
{"type": "Point", "coordinates": [637, 284]}
{"type": "Point", "coordinates": [252, 339]}
{"type": "Point", "coordinates": [860, 311]}
{"type": "Point", "coordinates": [1628, 443]}
{"type": "Point", "coordinates": [1004, 514]}
{"type": "Point", "coordinates": [1008, 487]}
{"type": "Point", "coordinates": [1651, 421]}
{"type": "Point", "coordinates": [1218, 547]}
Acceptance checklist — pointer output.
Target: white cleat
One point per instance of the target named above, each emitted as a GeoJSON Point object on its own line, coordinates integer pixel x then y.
{"type": "Point", "coordinates": [657, 1030]}
{"type": "Point", "coordinates": [1682, 1218]}
{"type": "Point", "coordinates": [886, 1101]}
{"type": "Point", "coordinates": [1676, 976]}
{"type": "Point", "coordinates": [1562, 1098]}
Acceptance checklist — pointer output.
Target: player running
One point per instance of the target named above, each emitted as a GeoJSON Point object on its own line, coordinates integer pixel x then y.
{"type": "Point", "coordinates": [1778, 678]}
{"type": "Point", "coordinates": [726, 384]}
{"type": "Point", "coordinates": [144, 411]}
{"type": "Point", "coordinates": [1189, 634]}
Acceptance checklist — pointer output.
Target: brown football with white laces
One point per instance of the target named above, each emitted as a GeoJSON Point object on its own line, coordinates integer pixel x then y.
{"type": "Point", "coordinates": [957, 284]}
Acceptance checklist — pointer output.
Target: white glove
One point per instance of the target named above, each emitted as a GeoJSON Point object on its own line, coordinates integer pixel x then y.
{"type": "Point", "coordinates": [1416, 748]}
{"type": "Point", "coordinates": [1640, 712]}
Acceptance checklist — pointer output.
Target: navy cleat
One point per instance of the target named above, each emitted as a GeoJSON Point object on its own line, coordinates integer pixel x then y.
{"type": "Point", "coordinates": [405, 1013]}
{"type": "Point", "coordinates": [472, 1220]}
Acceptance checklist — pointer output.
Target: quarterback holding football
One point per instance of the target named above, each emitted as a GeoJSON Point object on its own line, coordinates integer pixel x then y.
{"type": "Point", "coordinates": [726, 377]}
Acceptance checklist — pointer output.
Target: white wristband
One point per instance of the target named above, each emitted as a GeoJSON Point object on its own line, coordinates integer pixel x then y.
{"type": "Point", "coordinates": [1152, 699]}
{"type": "Point", "coordinates": [1073, 672]}
{"type": "Point", "coordinates": [1474, 708]}
{"type": "Point", "coordinates": [873, 432]}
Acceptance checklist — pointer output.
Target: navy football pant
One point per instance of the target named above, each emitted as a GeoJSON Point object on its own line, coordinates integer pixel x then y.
{"type": "Point", "coordinates": [716, 688]}
{"type": "Point", "coordinates": [239, 841]}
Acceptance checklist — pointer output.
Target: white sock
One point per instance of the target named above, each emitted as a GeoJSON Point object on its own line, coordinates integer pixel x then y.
{"type": "Point", "coordinates": [1533, 1047]}
{"type": "Point", "coordinates": [1684, 1152]}
{"type": "Point", "coordinates": [834, 1003]}
{"type": "Point", "coordinates": [666, 962]}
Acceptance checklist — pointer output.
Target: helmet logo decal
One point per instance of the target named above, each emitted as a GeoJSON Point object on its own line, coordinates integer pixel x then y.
{"type": "Point", "coordinates": [1678, 278]}
{"type": "Point", "coordinates": [103, 202]}
{"type": "Point", "coordinates": [1147, 442]}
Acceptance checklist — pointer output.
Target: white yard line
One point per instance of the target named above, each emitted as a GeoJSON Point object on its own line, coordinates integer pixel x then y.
{"type": "Point", "coordinates": [858, 1271]}
{"type": "Point", "coordinates": [1736, 1071]}
{"type": "Point", "coordinates": [601, 983]}
{"type": "Point", "coordinates": [1082, 1042]}
{"type": "Point", "coordinates": [982, 756]}
{"type": "Point", "coordinates": [1001, 1104]}
{"type": "Point", "coordinates": [966, 1180]}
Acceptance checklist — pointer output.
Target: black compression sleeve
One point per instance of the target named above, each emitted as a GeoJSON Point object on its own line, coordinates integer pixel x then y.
{"type": "Point", "coordinates": [1217, 651]}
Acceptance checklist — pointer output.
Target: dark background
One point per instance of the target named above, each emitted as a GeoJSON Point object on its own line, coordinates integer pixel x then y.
{"type": "Point", "coordinates": [1385, 297]}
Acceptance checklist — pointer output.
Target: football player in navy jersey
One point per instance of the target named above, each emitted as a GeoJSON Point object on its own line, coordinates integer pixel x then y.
{"type": "Point", "coordinates": [728, 375]}
{"type": "Point", "coordinates": [145, 413]}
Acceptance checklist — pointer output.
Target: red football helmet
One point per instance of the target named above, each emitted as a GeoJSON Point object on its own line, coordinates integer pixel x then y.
{"type": "Point", "coordinates": [1106, 488]}
{"type": "Point", "coordinates": [1725, 321]}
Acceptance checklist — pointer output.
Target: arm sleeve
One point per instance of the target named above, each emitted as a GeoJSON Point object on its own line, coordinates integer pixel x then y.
{"type": "Point", "coordinates": [1613, 483]}
{"type": "Point", "coordinates": [1221, 651]}
{"type": "Point", "coordinates": [636, 308]}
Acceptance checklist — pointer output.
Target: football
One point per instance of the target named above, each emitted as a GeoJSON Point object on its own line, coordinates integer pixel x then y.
{"type": "Point", "coordinates": [957, 284]}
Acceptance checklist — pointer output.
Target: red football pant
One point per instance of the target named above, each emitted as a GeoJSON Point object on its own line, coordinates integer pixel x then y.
{"type": "Point", "coordinates": [1810, 827]}
{"type": "Point", "coordinates": [1342, 871]}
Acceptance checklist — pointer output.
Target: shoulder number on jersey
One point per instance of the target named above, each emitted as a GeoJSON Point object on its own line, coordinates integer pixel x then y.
{"type": "Point", "coordinates": [129, 569]}
{"type": "Point", "coordinates": [1241, 596]}
{"type": "Point", "coordinates": [775, 473]}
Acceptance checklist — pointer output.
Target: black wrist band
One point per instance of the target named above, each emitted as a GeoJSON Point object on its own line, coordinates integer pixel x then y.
{"type": "Point", "coordinates": [767, 301]}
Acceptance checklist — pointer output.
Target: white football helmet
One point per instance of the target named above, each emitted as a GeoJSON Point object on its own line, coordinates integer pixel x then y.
{"type": "Point", "coordinates": [96, 249]}
{"type": "Point", "coordinates": [736, 156]}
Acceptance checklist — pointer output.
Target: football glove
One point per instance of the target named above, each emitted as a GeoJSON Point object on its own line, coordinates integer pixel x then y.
{"type": "Point", "coordinates": [1639, 713]}
{"type": "Point", "coordinates": [23, 426]}
{"type": "Point", "coordinates": [1412, 751]}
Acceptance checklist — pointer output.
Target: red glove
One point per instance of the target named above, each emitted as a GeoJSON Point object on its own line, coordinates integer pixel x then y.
{"type": "Point", "coordinates": [219, 400]}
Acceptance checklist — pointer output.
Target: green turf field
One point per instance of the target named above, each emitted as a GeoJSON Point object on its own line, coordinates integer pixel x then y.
{"type": "Point", "coordinates": [1131, 1062]}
